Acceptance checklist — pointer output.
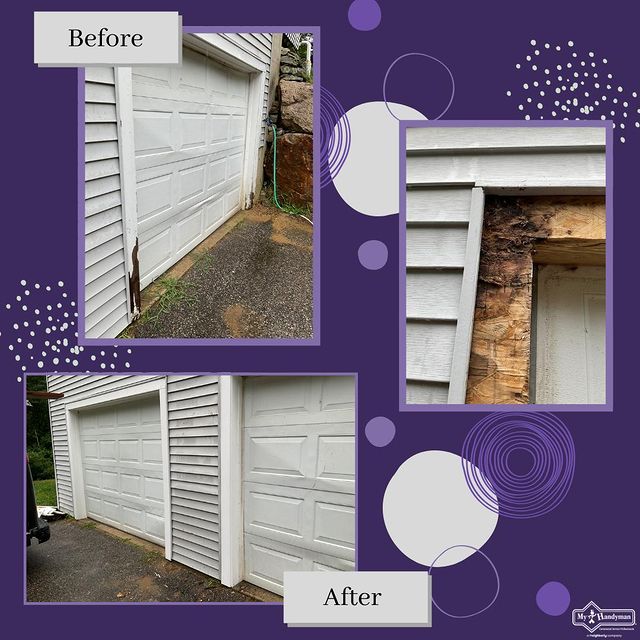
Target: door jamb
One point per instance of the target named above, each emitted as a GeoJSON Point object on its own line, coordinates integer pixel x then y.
{"type": "Point", "coordinates": [231, 511]}
{"type": "Point", "coordinates": [126, 152]}
{"type": "Point", "coordinates": [72, 410]}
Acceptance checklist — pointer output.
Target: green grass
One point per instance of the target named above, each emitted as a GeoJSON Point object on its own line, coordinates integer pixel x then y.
{"type": "Point", "coordinates": [45, 493]}
{"type": "Point", "coordinates": [174, 291]}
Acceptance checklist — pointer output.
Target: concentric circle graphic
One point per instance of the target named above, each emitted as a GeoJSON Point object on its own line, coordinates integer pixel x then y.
{"type": "Point", "coordinates": [420, 55]}
{"type": "Point", "coordinates": [492, 445]}
{"type": "Point", "coordinates": [335, 137]}
{"type": "Point", "coordinates": [495, 571]}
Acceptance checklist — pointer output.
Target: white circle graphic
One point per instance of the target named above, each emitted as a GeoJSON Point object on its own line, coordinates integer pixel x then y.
{"type": "Point", "coordinates": [428, 507]}
{"type": "Point", "coordinates": [369, 178]}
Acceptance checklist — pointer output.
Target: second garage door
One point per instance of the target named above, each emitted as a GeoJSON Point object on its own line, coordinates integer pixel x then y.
{"type": "Point", "coordinates": [298, 476]}
{"type": "Point", "coordinates": [122, 467]}
{"type": "Point", "coordinates": [189, 131]}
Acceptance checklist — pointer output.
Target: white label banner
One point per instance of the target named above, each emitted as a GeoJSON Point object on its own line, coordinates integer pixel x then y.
{"type": "Point", "coordinates": [110, 38]}
{"type": "Point", "coordinates": [357, 599]}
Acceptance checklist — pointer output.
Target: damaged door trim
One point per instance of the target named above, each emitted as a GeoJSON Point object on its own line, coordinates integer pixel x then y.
{"type": "Point", "coordinates": [126, 143]}
{"type": "Point", "coordinates": [464, 325]}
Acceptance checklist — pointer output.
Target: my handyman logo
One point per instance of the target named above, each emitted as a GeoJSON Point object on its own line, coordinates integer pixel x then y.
{"type": "Point", "coordinates": [592, 617]}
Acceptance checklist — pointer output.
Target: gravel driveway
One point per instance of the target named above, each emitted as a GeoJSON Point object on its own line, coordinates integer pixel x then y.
{"type": "Point", "coordinates": [255, 282]}
{"type": "Point", "coordinates": [82, 562]}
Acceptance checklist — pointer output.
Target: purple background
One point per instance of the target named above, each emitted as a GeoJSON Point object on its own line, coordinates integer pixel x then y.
{"type": "Point", "coordinates": [589, 542]}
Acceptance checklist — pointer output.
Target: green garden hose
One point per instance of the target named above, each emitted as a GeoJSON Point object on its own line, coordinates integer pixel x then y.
{"type": "Point", "coordinates": [275, 187]}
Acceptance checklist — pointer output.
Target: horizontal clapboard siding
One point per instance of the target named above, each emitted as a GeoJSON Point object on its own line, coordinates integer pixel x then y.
{"type": "Point", "coordinates": [436, 249]}
{"type": "Point", "coordinates": [447, 171]}
{"type": "Point", "coordinates": [193, 450]}
{"type": "Point", "coordinates": [192, 408]}
{"type": "Point", "coordinates": [105, 273]}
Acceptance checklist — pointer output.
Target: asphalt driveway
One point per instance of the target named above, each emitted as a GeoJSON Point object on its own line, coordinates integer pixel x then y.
{"type": "Point", "coordinates": [84, 562]}
{"type": "Point", "coordinates": [251, 279]}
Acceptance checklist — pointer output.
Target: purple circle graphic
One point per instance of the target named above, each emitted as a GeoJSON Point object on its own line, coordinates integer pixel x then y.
{"type": "Point", "coordinates": [364, 15]}
{"type": "Point", "coordinates": [553, 598]}
{"type": "Point", "coordinates": [490, 455]}
{"type": "Point", "coordinates": [335, 137]}
{"type": "Point", "coordinates": [495, 571]}
{"type": "Point", "coordinates": [421, 55]}
{"type": "Point", "coordinates": [380, 431]}
{"type": "Point", "coordinates": [373, 254]}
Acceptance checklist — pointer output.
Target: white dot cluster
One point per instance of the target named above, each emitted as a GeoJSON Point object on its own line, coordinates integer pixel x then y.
{"type": "Point", "coordinates": [558, 81]}
{"type": "Point", "coordinates": [41, 333]}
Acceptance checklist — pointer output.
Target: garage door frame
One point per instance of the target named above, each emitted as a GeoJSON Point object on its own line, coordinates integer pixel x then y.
{"type": "Point", "coordinates": [224, 52]}
{"type": "Point", "coordinates": [73, 412]}
{"type": "Point", "coordinates": [231, 419]}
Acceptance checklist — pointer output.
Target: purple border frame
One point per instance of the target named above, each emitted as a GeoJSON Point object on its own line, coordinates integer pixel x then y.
{"type": "Point", "coordinates": [26, 602]}
{"type": "Point", "coordinates": [313, 341]}
{"type": "Point", "coordinates": [608, 126]}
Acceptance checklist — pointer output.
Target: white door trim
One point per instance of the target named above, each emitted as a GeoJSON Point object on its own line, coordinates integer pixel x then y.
{"type": "Point", "coordinates": [230, 404]}
{"type": "Point", "coordinates": [72, 410]}
{"type": "Point", "coordinates": [126, 152]}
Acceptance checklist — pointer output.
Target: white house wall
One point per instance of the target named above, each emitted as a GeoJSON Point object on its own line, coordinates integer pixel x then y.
{"type": "Point", "coordinates": [107, 305]}
{"type": "Point", "coordinates": [448, 171]}
{"type": "Point", "coordinates": [192, 406]}
{"type": "Point", "coordinates": [105, 293]}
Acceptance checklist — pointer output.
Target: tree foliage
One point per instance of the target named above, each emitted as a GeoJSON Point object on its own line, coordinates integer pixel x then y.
{"type": "Point", "coordinates": [39, 432]}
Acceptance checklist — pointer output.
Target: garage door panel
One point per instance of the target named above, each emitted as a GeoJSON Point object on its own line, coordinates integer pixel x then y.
{"type": "Point", "coordinates": [298, 476]}
{"type": "Point", "coordinates": [152, 132]}
{"type": "Point", "coordinates": [317, 520]}
{"type": "Point", "coordinates": [266, 561]}
{"type": "Point", "coordinates": [194, 130]}
{"type": "Point", "coordinates": [275, 400]}
{"type": "Point", "coordinates": [319, 456]}
{"type": "Point", "coordinates": [122, 466]}
{"type": "Point", "coordinates": [189, 144]}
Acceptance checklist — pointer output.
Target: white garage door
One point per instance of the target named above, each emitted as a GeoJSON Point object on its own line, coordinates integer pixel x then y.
{"type": "Point", "coordinates": [299, 477]}
{"type": "Point", "coordinates": [189, 129]}
{"type": "Point", "coordinates": [122, 466]}
{"type": "Point", "coordinates": [570, 353]}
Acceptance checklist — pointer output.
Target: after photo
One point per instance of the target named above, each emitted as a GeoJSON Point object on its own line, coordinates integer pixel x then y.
{"type": "Point", "coordinates": [187, 488]}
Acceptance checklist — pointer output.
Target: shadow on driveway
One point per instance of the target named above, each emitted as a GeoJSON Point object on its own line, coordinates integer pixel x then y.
{"type": "Point", "coordinates": [83, 563]}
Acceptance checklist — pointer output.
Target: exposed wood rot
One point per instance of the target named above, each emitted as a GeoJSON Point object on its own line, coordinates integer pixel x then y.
{"type": "Point", "coordinates": [134, 283]}
{"type": "Point", "coordinates": [519, 232]}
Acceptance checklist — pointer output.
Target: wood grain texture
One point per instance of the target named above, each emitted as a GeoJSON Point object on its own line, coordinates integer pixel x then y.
{"type": "Point", "coordinates": [517, 231]}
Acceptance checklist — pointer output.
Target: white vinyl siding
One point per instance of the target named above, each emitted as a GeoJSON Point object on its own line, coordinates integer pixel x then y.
{"type": "Point", "coordinates": [448, 170]}
{"type": "Point", "coordinates": [193, 456]}
{"type": "Point", "coordinates": [105, 276]}
{"type": "Point", "coordinates": [193, 448]}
